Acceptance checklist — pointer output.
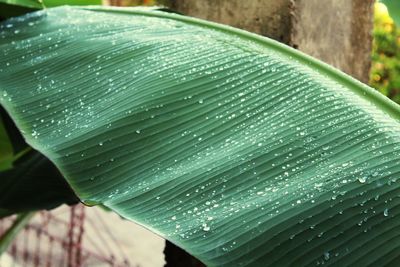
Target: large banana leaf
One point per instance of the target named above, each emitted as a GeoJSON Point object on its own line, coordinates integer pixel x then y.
{"type": "Point", "coordinates": [239, 149]}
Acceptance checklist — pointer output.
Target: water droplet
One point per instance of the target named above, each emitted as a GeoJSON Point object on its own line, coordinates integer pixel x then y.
{"type": "Point", "coordinates": [326, 256]}
{"type": "Point", "coordinates": [362, 179]}
{"type": "Point", "coordinates": [206, 228]}
{"type": "Point", "coordinates": [101, 143]}
{"type": "Point", "coordinates": [138, 131]}
{"type": "Point", "coordinates": [386, 212]}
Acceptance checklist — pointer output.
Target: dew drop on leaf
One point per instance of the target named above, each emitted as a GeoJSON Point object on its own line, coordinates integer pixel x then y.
{"type": "Point", "coordinates": [362, 179]}
{"type": "Point", "coordinates": [206, 228]}
{"type": "Point", "coordinates": [386, 212]}
{"type": "Point", "coordinates": [326, 256]}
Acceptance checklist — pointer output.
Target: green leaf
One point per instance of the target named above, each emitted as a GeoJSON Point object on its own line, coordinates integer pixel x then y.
{"type": "Point", "coordinates": [53, 3]}
{"type": "Point", "coordinates": [239, 149]}
{"type": "Point", "coordinates": [6, 150]}
{"type": "Point", "coordinates": [5, 213]}
{"type": "Point", "coordinates": [12, 8]}
{"type": "Point", "coordinates": [33, 183]}
{"type": "Point", "coordinates": [394, 10]}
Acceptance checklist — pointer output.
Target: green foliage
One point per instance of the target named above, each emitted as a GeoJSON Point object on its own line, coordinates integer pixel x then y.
{"type": "Point", "coordinates": [239, 149]}
{"type": "Point", "coordinates": [385, 72]}
{"type": "Point", "coordinates": [394, 10]}
{"type": "Point", "coordinates": [33, 183]}
{"type": "Point", "coordinates": [13, 8]}
{"type": "Point", "coordinates": [53, 3]}
{"type": "Point", "coordinates": [6, 150]}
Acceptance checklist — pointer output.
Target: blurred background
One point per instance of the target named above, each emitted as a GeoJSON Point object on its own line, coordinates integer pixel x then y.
{"type": "Point", "coordinates": [385, 70]}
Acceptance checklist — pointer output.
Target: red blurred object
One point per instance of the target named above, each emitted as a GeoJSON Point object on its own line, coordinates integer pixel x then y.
{"type": "Point", "coordinates": [54, 238]}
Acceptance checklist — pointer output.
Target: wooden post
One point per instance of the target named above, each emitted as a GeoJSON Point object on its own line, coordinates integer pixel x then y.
{"type": "Point", "coordinates": [338, 32]}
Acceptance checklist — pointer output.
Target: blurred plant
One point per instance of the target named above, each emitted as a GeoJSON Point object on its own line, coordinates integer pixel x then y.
{"type": "Point", "coordinates": [393, 7]}
{"type": "Point", "coordinates": [385, 71]}
{"type": "Point", "coordinates": [131, 2]}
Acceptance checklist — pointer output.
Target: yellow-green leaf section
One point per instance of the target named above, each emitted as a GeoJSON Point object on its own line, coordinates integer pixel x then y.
{"type": "Point", "coordinates": [240, 150]}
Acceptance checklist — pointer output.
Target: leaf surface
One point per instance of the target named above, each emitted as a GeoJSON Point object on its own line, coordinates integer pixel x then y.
{"type": "Point", "coordinates": [54, 3]}
{"type": "Point", "coordinates": [242, 151]}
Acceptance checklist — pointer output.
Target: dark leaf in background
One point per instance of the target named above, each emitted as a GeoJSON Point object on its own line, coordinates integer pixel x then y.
{"type": "Point", "coordinates": [12, 8]}
{"type": "Point", "coordinates": [11, 133]}
{"type": "Point", "coordinates": [33, 184]}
